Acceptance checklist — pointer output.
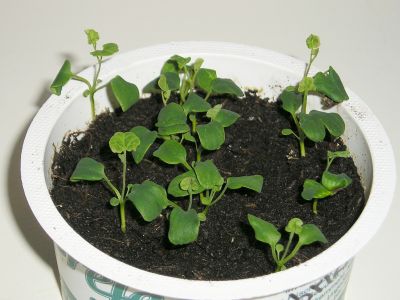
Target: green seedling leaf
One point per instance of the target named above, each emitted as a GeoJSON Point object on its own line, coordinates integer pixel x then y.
{"type": "Point", "coordinates": [291, 101]}
{"type": "Point", "coordinates": [221, 86]}
{"type": "Point", "coordinates": [336, 154]}
{"type": "Point", "coordinates": [335, 182]}
{"type": "Point", "coordinates": [330, 85]}
{"type": "Point", "coordinates": [195, 103]}
{"type": "Point", "coordinates": [180, 61]}
{"type": "Point", "coordinates": [146, 138]}
{"type": "Point", "coordinates": [213, 112]}
{"type": "Point", "coordinates": [171, 114]}
{"type": "Point", "coordinates": [295, 225]}
{"type": "Point", "coordinates": [108, 50]}
{"type": "Point", "coordinates": [264, 231]}
{"type": "Point", "coordinates": [62, 78]}
{"type": "Point", "coordinates": [171, 152]}
{"type": "Point", "coordinates": [312, 127]}
{"type": "Point", "coordinates": [333, 122]}
{"type": "Point", "coordinates": [306, 85]}
{"type": "Point", "coordinates": [174, 129]}
{"type": "Point", "coordinates": [314, 190]}
{"type": "Point", "coordinates": [189, 183]}
{"type": "Point", "coordinates": [88, 169]}
{"type": "Point", "coordinates": [208, 175]}
{"type": "Point", "coordinates": [288, 131]}
{"type": "Point", "coordinates": [202, 216]}
{"type": "Point", "coordinates": [226, 117]}
{"type": "Point", "coordinates": [174, 187]}
{"type": "Point", "coordinates": [152, 87]}
{"type": "Point", "coordinates": [149, 199]}
{"type": "Point", "coordinates": [211, 135]}
{"type": "Point", "coordinates": [279, 248]}
{"type": "Point", "coordinates": [114, 201]}
{"type": "Point", "coordinates": [183, 226]}
{"type": "Point", "coordinates": [188, 137]}
{"type": "Point", "coordinates": [254, 182]}
{"type": "Point", "coordinates": [313, 42]}
{"type": "Point", "coordinates": [169, 81]}
{"type": "Point", "coordinates": [175, 64]}
{"type": "Point", "coordinates": [124, 141]}
{"type": "Point", "coordinates": [92, 36]}
{"type": "Point", "coordinates": [311, 234]}
{"type": "Point", "coordinates": [126, 93]}
{"type": "Point", "coordinates": [197, 64]}
{"type": "Point", "coordinates": [204, 79]}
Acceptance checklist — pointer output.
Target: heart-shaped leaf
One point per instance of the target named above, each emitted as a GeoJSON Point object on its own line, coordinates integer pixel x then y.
{"type": "Point", "coordinates": [254, 182]}
{"type": "Point", "coordinates": [226, 117]}
{"type": "Point", "coordinates": [171, 114]}
{"type": "Point", "coordinates": [314, 190]}
{"type": "Point", "coordinates": [183, 226]}
{"type": "Point", "coordinates": [311, 234]}
{"type": "Point", "coordinates": [208, 175]}
{"type": "Point", "coordinates": [330, 85]}
{"type": "Point", "coordinates": [312, 127]}
{"type": "Point", "coordinates": [175, 189]}
{"type": "Point", "coordinates": [211, 135]}
{"type": "Point", "coordinates": [195, 103]}
{"type": "Point", "coordinates": [62, 78]}
{"type": "Point", "coordinates": [146, 138]}
{"type": "Point", "coordinates": [204, 79]}
{"type": "Point", "coordinates": [333, 122]}
{"type": "Point", "coordinates": [169, 81]}
{"type": "Point", "coordinates": [335, 182]}
{"type": "Point", "coordinates": [222, 86]}
{"type": "Point", "coordinates": [291, 101]}
{"type": "Point", "coordinates": [295, 225]}
{"type": "Point", "coordinates": [152, 87]}
{"type": "Point", "coordinates": [171, 152]}
{"type": "Point", "coordinates": [126, 93]}
{"type": "Point", "coordinates": [108, 50]}
{"type": "Point", "coordinates": [264, 231]}
{"type": "Point", "coordinates": [88, 169]}
{"type": "Point", "coordinates": [124, 141]}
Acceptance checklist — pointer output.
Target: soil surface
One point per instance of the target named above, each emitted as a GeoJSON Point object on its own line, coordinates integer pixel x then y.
{"type": "Point", "coordinates": [226, 247]}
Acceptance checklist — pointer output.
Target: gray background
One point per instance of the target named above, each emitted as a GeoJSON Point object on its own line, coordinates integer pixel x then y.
{"type": "Point", "coordinates": [360, 38]}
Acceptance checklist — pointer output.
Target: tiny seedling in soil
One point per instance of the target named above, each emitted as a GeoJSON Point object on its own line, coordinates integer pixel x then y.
{"type": "Point", "coordinates": [313, 125]}
{"type": "Point", "coordinates": [267, 233]}
{"type": "Point", "coordinates": [126, 93]}
{"type": "Point", "coordinates": [330, 183]}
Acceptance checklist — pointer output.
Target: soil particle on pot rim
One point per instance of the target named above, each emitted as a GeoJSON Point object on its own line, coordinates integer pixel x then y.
{"type": "Point", "coordinates": [226, 248]}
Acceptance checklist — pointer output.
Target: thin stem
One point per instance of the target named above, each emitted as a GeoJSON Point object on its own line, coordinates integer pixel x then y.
{"type": "Point", "coordinates": [81, 79]}
{"type": "Point", "coordinates": [92, 105]}
{"type": "Point", "coordinates": [274, 255]}
{"type": "Point", "coordinates": [314, 207]}
{"type": "Point", "coordinates": [163, 98]}
{"type": "Point", "coordinates": [220, 195]}
{"type": "Point", "coordinates": [208, 95]}
{"type": "Point", "coordinates": [100, 87]}
{"type": "Point", "coordinates": [190, 198]}
{"type": "Point", "coordinates": [308, 65]}
{"type": "Point", "coordinates": [187, 166]}
{"type": "Point", "coordinates": [288, 245]}
{"type": "Point", "coordinates": [122, 214]}
{"type": "Point", "coordinates": [301, 136]}
{"type": "Point", "coordinates": [123, 176]}
{"type": "Point", "coordinates": [283, 261]}
{"type": "Point", "coordinates": [112, 187]}
{"type": "Point", "coordinates": [173, 204]}
{"type": "Point", "coordinates": [304, 105]}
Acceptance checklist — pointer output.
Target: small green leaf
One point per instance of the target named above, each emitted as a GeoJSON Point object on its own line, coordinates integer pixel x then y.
{"type": "Point", "coordinates": [171, 114]}
{"type": "Point", "coordinates": [180, 61]}
{"type": "Point", "coordinates": [174, 129]}
{"type": "Point", "coordinates": [314, 190]}
{"type": "Point", "coordinates": [265, 232]}
{"type": "Point", "coordinates": [291, 101]}
{"type": "Point", "coordinates": [279, 248]}
{"type": "Point", "coordinates": [108, 50]}
{"type": "Point", "coordinates": [62, 78]}
{"type": "Point", "coordinates": [197, 64]}
{"type": "Point", "coordinates": [311, 234]}
{"type": "Point", "coordinates": [330, 85]}
{"type": "Point", "coordinates": [126, 93]}
{"type": "Point", "coordinates": [222, 86]}
{"type": "Point", "coordinates": [188, 137]}
{"type": "Point", "coordinates": [211, 135]}
{"type": "Point", "coordinates": [183, 226]}
{"type": "Point", "coordinates": [175, 189]}
{"type": "Point", "coordinates": [171, 152]}
{"type": "Point", "coordinates": [204, 79]}
{"type": "Point", "coordinates": [295, 225]}
{"type": "Point", "coordinates": [202, 216]}
{"type": "Point", "coordinates": [213, 112]}
{"type": "Point", "coordinates": [208, 174]}
{"type": "Point", "coordinates": [146, 138]}
{"type": "Point", "coordinates": [189, 183]}
{"type": "Point", "coordinates": [88, 169]}
{"type": "Point", "coordinates": [226, 117]}
{"type": "Point", "coordinates": [336, 154]}
{"type": "Point", "coordinates": [332, 121]}
{"type": "Point", "coordinates": [124, 141]}
{"type": "Point", "coordinates": [288, 131]}
{"type": "Point", "coordinates": [169, 81]}
{"type": "Point", "coordinates": [195, 103]}
{"type": "Point", "coordinates": [313, 42]}
{"type": "Point", "coordinates": [92, 36]}
{"type": "Point", "coordinates": [149, 199]}
{"type": "Point", "coordinates": [254, 182]}
{"type": "Point", "coordinates": [335, 182]}
{"type": "Point", "coordinates": [306, 85]}
{"type": "Point", "coordinates": [114, 201]}
{"type": "Point", "coordinates": [312, 127]}
{"type": "Point", "coordinates": [169, 66]}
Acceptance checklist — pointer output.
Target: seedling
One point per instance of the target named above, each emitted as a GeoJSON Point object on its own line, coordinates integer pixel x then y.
{"type": "Point", "coordinates": [267, 233]}
{"type": "Point", "coordinates": [149, 198]}
{"type": "Point", "coordinates": [313, 125]}
{"type": "Point", "coordinates": [125, 93]}
{"type": "Point", "coordinates": [330, 183]}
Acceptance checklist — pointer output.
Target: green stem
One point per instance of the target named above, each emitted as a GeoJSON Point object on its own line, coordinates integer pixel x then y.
{"type": "Point", "coordinates": [288, 245]}
{"type": "Point", "coordinates": [220, 195]}
{"type": "Point", "coordinates": [304, 105]}
{"type": "Point", "coordinates": [123, 176]}
{"type": "Point", "coordinates": [283, 261]}
{"type": "Point", "coordinates": [100, 87]}
{"type": "Point", "coordinates": [112, 187]}
{"type": "Point", "coordinates": [314, 207]}
{"type": "Point", "coordinates": [301, 136]}
{"type": "Point", "coordinates": [81, 79]}
{"type": "Point", "coordinates": [308, 65]}
{"type": "Point", "coordinates": [187, 166]}
{"type": "Point", "coordinates": [274, 256]}
{"type": "Point", "coordinates": [190, 198]}
{"type": "Point", "coordinates": [122, 214]}
{"type": "Point", "coordinates": [208, 95]}
{"type": "Point", "coordinates": [173, 204]}
{"type": "Point", "coordinates": [92, 105]}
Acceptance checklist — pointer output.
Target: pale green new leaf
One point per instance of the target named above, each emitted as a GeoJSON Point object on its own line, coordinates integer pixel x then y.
{"type": "Point", "coordinates": [124, 141]}
{"type": "Point", "coordinates": [175, 189]}
{"type": "Point", "coordinates": [108, 50]}
{"type": "Point", "coordinates": [335, 182]}
{"type": "Point", "coordinates": [92, 36]}
{"type": "Point", "coordinates": [295, 225]}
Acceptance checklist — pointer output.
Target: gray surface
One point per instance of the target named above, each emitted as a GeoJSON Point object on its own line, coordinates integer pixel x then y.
{"type": "Point", "coordinates": [360, 38]}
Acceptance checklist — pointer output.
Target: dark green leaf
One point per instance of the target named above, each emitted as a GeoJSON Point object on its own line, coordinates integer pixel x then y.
{"type": "Point", "coordinates": [226, 117]}
{"type": "Point", "coordinates": [92, 36]}
{"type": "Point", "coordinates": [174, 129]}
{"type": "Point", "coordinates": [180, 61]}
{"type": "Point", "coordinates": [63, 76]}
{"type": "Point", "coordinates": [183, 226]}
{"type": "Point", "coordinates": [314, 190]}
{"type": "Point", "coordinates": [335, 182]}
{"type": "Point", "coordinates": [149, 199]}
{"type": "Point", "coordinates": [108, 50]}
{"type": "Point", "coordinates": [265, 232]}
{"type": "Point", "coordinates": [295, 225]}
{"type": "Point", "coordinates": [332, 121]}
{"type": "Point", "coordinates": [254, 182]}
{"type": "Point", "coordinates": [291, 101]}
{"type": "Point", "coordinates": [222, 86]}
{"type": "Point", "coordinates": [171, 114]}
{"type": "Point", "coordinates": [195, 103]}
{"type": "Point", "coordinates": [169, 81]}
{"type": "Point", "coordinates": [152, 87]}
{"type": "Point", "coordinates": [126, 93]}
{"type": "Point", "coordinates": [124, 141]}
{"type": "Point", "coordinates": [312, 127]}
{"type": "Point", "coordinates": [204, 79]}
{"type": "Point", "coordinates": [208, 175]}
{"type": "Point", "coordinates": [169, 66]}
{"type": "Point", "coordinates": [188, 137]}
{"type": "Point", "coordinates": [146, 138]}
{"type": "Point", "coordinates": [175, 189]}
{"type": "Point", "coordinates": [213, 112]}
{"type": "Point", "coordinates": [330, 85]}
{"type": "Point", "coordinates": [211, 135]}
{"type": "Point", "coordinates": [171, 152]}
{"type": "Point", "coordinates": [88, 169]}
{"type": "Point", "coordinates": [311, 234]}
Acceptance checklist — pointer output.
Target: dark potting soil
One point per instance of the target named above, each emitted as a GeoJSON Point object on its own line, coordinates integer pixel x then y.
{"type": "Point", "coordinates": [226, 247]}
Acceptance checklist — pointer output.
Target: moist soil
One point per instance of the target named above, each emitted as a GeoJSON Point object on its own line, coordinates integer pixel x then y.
{"type": "Point", "coordinates": [226, 248]}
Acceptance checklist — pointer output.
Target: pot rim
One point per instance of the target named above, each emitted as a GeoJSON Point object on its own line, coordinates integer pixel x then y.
{"type": "Point", "coordinates": [37, 194]}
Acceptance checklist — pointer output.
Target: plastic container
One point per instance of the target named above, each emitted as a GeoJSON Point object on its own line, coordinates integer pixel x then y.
{"type": "Point", "coordinates": [88, 273]}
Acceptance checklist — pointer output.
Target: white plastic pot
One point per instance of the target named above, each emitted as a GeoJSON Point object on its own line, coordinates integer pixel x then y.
{"type": "Point", "coordinates": [88, 273]}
